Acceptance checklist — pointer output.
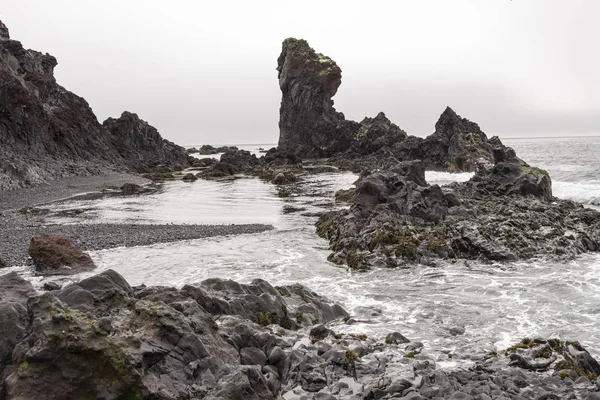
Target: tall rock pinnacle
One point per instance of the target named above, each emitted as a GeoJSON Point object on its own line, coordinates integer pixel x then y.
{"type": "Point", "coordinates": [309, 124]}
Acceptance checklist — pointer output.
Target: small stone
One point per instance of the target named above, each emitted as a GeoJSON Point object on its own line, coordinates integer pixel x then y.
{"type": "Point", "coordinates": [49, 286]}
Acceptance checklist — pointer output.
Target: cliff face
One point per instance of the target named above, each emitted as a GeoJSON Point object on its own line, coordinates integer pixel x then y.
{"type": "Point", "coordinates": [310, 126]}
{"type": "Point", "coordinates": [47, 132]}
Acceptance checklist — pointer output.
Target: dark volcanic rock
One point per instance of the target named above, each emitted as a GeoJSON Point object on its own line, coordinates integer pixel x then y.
{"type": "Point", "coordinates": [54, 254]}
{"type": "Point", "coordinates": [309, 125]}
{"type": "Point", "coordinates": [14, 320]}
{"type": "Point", "coordinates": [140, 144]}
{"type": "Point", "coordinates": [47, 132]}
{"type": "Point", "coordinates": [278, 167]}
{"type": "Point", "coordinates": [456, 145]}
{"type": "Point", "coordinates": [207, 149]}
{"type": "Point", "coordinates": [506, 212]}
{"type": "Point", "coordinates": [101, 338]}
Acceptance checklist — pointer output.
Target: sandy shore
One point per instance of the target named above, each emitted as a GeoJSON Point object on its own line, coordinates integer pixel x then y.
{"type": "Point", "coordinates": [17, 229]}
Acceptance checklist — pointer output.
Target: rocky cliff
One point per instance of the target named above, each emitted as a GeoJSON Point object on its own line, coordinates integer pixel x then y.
{"type": "Point", "coordinates": [311, 127]}
{"type": "Point", "coordinates": [47, 132]}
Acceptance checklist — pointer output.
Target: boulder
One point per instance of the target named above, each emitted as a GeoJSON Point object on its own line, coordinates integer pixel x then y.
{"type": "Point", "coordinates": [14, 319]}
{"type": "Point", "coordinates": [513, 177]}
{"type": "Point", "coordinates": [54, 254]}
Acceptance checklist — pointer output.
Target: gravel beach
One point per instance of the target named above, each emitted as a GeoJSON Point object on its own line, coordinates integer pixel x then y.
{"type": "Point", "coordinates": [17, 229]}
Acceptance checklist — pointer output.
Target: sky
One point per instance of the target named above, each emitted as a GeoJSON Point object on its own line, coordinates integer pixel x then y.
{"type": "Point", "coordinates": [204, 72]}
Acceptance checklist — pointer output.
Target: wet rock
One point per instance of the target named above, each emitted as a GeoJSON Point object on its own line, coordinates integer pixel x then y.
{"type": "Point", "coordinates": [396, 338]}
{"type": "Point", "coordinates": [53, 254]}
{"type": "Point", "coordinates": [503, 213]}
{"type": "Point", "coordinates": [130, 189]}
{"type": "Point", "coordinates": [50, 286]}
{"type": "Point", "coordinates": [14, 319]}
{"type": "Point", "coordinates": [189, 177]}
{"type": "Point", "coordinates": [207, 149]}
{"type": "Point", "coordinates": [345, 195]}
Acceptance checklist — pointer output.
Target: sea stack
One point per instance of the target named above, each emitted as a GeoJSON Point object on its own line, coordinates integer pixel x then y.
{"type": "Point", "coordinates": [309, 124]}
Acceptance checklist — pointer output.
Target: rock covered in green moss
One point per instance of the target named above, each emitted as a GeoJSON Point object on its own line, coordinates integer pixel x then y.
{"type": "Point", "coordinates": [505, 212]}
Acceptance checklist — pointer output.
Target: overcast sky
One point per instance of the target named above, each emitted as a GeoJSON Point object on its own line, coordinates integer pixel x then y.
{"type": "Point", "coordinates": [204, 72]}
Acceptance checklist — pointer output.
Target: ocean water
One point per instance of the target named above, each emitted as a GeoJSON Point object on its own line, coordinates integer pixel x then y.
{"type": "Point", "coordinates": [496, 305]}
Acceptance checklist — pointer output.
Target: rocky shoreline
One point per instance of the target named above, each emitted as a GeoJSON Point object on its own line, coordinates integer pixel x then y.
{"type": "Point", "coordinates": [20, 221]}
{"type": "Point", "coordinates": [102, 338]}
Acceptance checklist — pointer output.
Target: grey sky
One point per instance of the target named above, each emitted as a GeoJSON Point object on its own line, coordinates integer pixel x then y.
{"type": "Point", "coordinates": [204, 72]}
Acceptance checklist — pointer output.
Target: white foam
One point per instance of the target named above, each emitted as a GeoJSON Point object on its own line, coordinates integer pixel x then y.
{"type": "Point", "coordinates": [585, 192]}
{"type": "Point", "coordinates": [444, 178]}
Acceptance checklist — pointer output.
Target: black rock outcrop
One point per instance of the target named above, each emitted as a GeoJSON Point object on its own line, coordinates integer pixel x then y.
{"type": "Point", "coordinates": [140, 144]}
{"type": "Point", "coordinates": [309, 124]}
{"type": "Point", "coordinates": [47, 132]}
{"type": "Point", "coordinates": [311, 127]}
{"type": "Point", "coordinates": [100, 338]}
{"type": "Point", "coordinates": [505, 212]}
{"type": "Point", "coordinates": [456, 145]}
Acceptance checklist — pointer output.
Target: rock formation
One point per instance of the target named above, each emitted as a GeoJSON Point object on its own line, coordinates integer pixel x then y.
{"type": "Point", "coordinates": [58, 255]}
{"type": "Point", "coordinates": [47, 132]}
{"type": "Point", "coordinates": [140, 144]}
{"type": "Point", "coordinates": [310, 126]}
{"type": "Point", "coordinates": [505, 212]}
{"type": "Point", "coordinates": [456, 145]}
{"type": "Point", "coordinates": [102, 338]}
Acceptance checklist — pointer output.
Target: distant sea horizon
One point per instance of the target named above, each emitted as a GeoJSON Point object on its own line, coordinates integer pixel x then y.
{"type": "Point", "coordinates": [274, 144]}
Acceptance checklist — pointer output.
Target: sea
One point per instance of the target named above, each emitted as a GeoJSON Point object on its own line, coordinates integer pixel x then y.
{"type": "Point", "coordinates": [489, 306]}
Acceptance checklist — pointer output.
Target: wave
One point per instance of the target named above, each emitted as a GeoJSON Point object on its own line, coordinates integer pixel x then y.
{"type": "Point", "coordinates": [585, 192]}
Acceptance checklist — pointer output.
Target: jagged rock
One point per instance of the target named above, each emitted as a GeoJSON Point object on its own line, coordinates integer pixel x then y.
{"type": "Point", "coordinates": [53, 254]}
{"type": "Point", "coordinates": [503, 213]}
{"type": "Point", "coordinates": [47, 132]}
{"type": "Point", "coordinates": [14, 319]}
{"type": "Point", "coordinates": [140, 144]}
{"type": "Point", "coordinates": [456, 145]}
{"type": "Point", "coordinates": [275, 166]}
{"type": "Point", "coordinates": [309, 125]}
{"type": "Point", "coordinates": [511, 175]}
{"type": "Point", "coordinates": [403, 190]}
{"type": "Point", "coordinates": [207, 149]}
{"type": "Point", "coordinates": [101, 338]}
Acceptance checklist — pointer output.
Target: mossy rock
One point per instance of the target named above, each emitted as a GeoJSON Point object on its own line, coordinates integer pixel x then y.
{"type": "Point", "coordinates": [345, 195]}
